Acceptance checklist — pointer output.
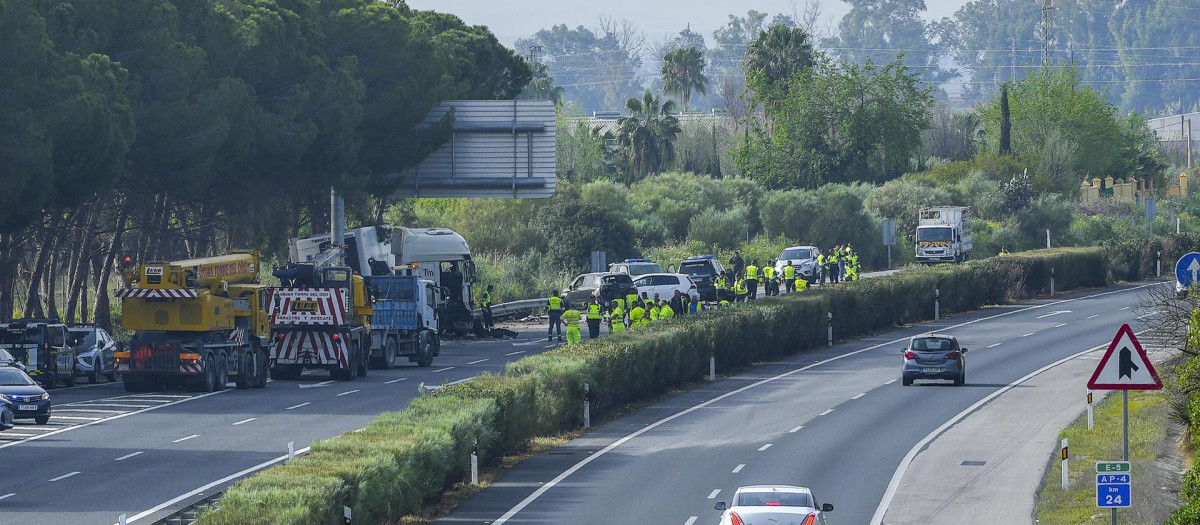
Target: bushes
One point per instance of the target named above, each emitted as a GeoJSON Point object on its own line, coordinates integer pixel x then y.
{"type": "Point", "coordinates": [403, 459]}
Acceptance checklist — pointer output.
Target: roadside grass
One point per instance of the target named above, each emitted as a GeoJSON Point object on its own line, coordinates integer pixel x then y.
{"type": "Point", "coordinates": [1148, 423]}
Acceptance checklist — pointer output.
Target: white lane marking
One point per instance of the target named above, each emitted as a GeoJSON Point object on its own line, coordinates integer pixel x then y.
{"type": "Point", "coordinates": [443, 369]}
{"type": "Point", "coordinates": [713, 494]}
{"type": "Point", "coordinates": [159, 395]}
{"type": "Point", "coordinates": [110, 405]}
{"type": "Point", "coordinates": [1029, 334]}
{"type": "Point", "coordinates": [193, 436]}
{"type": "Point", "coordinates": [97, 410]}
{"type": "Point", "coordinates": [127, 456]}
{"type": "Point", "coordinates": [80, 418]}
{"type": "Point", "coordinates": [994, 345]}
{"type": "Point", "coordinates": [527, 343]}
{"type": "Point", "coordinates": [625, 439]}
{"type": "Point", "coordinates": [795, 430]}
{"type": "Point", "coordinates": [1092, 316]}
{"type": "Point", "coordinates": [463, 380]}
{"type": "Point", "coordinates": [316, 385]}
{"type": "Point", "coordinates": [9, 495]}
{"type": "Point", "coordinates": [890, 382]}
{"type": "Point", "coordinates": [764, 447]}
{"type": "Point", "coordinates": [346, 393]}
{"type": "Point", "coordinates": [394, 380]}
{"type": "Point", "coordinates": [1147, 315]}
{"type": "Point", "coordinates": [64, 476]}
{"type": "Point", "coordinates": [244, 421]}
{"type": "Point", "coordinates": [515, 353]}
{"type": "Point", "coordinates": [293, 407]}
{"type": "Point", "coordinates": [858, 396]}
{"type": "Point", "coordinates": [825, 413]}
{"type": "Point", "coordinates": [738, 468]}
{"type": "Point", "coordinates": [690, 521]}
{"type": "Point", "coordinates": [1052, 314]}
{"type": "Point", "coordinates": [1060, 325]}
{"type": "Point", "coordinates": [477, 362]}
{"type": "Point", "coordinates": [225, 479]}
{"type": "Point", "coordinates": [550, 346]}
{"type": "Point", "coordinates": [1126, 308]}
{"type": "Point", "coordinates": [8, 435]}
{"type": "Point", "coordinates": [877, 519]}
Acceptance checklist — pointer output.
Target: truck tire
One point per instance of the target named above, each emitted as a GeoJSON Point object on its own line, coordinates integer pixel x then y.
{"type": "Point", "coordinates": [247, 371]}
{"type": "Point", "coordinates": [70, 379]}
{"type": "Point", "coordinates": [260, 378]}
{"type": "Point", "coordinates": [390, 349]}
{"type": "Point", "coordinates": [222, 375]}
{"type": "Point", "coordinates": [424, 349]}
{"type": "Point", "coordinates": [364, 358]}
{"type": "Point", "coordinates": [209, 381]}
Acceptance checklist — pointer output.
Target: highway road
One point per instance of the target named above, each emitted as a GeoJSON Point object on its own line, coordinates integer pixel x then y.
{"type": "Point", "coordinates": [108, 452]}
{"type": "Point", "coordinates": [836, 420]}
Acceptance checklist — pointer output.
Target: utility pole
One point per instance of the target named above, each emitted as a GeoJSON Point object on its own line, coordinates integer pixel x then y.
{"type": "Point", "coordinates": [1046, 31]}
{"type": "Point", "coordinates": [1012, 61]}
{"type": "Point", "coordinates": [1189, 142]}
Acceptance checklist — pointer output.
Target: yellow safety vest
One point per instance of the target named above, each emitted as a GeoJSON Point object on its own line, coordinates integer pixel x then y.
{"type": "Point", "coordinates": [571, 317]}
{"type": "Point", "coordinates": [487, 300]}
{"type": "Point", "coordinates": [630, 299]}
{"type": "Point", "coordinates": [593, 311]}
{"type": "Point", "coordinates": [556, 303]}
{"type": "Point", "coordinates": [665, 312]}
{"type": "Point", "coordinates": [653, 313]}
{"type": "Point", "coordinates": [789, 272]}
{"type": "Point", "coordinates": [752, 272]}
{"type": "Point", "coordinates": [635, 316]}
{"type": "Point", "coordinates": [768, 272]}
{"type": "Point", "coordinates": [740, 287]}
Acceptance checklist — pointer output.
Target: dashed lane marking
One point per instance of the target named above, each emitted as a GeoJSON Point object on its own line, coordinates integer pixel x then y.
{"type": "Point", "coordinates": [395, 381]}
{"type": "Point", "coordinates": [64, 476]}
{"type": "Point", "coordinates": [738, 468]}
{"type": "Point", "coordinates": [764, 447]}
{"type": "Point", "coordinates": [346, 393]}
{"type": "Point", "coordinates": [713, 494]}
{"type": "Point", "coordinates": [826, 413]}
{"type": "Point", "coordinates": [244, 421]}
{"type": "Point", "coordinates": [994, 345]}
{"type": "Point", "coordinates": [182, 439]}
{"type": "Point", "coordinates": [795, 430]}
{"type": "Point", "coordinates": [443, 369]}
{"type": "Point", "coordinates": [690, 521]}
{"type": "Point", "coordinates": [858, 396]}
{"type": "Point", "coordinates": [9, 495]}
{"type": "Point", "coordinates": [293, 407]}
{"type": "Point", "coordinates": [127, 456]}
{"type": "Point", "coordinates": [515, 353]}
{"type": "Point", "coordinates": [477, 361]}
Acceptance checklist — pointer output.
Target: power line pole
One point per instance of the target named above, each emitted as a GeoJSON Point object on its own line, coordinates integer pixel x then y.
{"type": "Point", "coordinates": [1012, 63]}
{"type": "Point", "coordinates": [1046, 31]}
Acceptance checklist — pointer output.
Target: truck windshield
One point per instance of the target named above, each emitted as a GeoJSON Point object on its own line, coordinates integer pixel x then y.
{"type": "Point", "coordinates": [935, 234]}
{"type": "Point", "coordinates": [20, 335]}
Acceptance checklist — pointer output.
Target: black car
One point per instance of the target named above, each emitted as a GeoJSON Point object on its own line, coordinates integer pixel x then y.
{"type": "Point", "coordinates": [28, 399]}
{"type": "Point", "coordinates": [603, 286]}
{"type": "Point", "coordinates": [704, 269]}
{"type": "Point", "coordinates": [41, 345]}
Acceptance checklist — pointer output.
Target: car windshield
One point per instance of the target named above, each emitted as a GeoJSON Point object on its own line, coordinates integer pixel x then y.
{"type": "Point", "coordinates": [934, 235]}
{"type": "Point", "coordinates": [85, 338]}
{"type": "Point", "coordinates": [796, 253]}
{"type": "Point", "coordinates": [773, 499]}
{"type": "Point", "coordinates": [644, 268]}
{"type": "Point", "coordinates": [14, 377]}
{"type": "Point", "coordinates": [695, 268]}
{"type": "Point", "coordinates": [932, 344]}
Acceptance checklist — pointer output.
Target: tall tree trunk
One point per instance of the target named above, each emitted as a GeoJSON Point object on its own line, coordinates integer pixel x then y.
{"type": "Point", "coordinates": [102, 309]}
{"type": "Point", "coordinates": [9, 255]}
{"type": "Point", "coordinates": [79, 267]}
{"type": "Point", "coordinates": [33, 300]}
{"type": "Point", "coordinates": [61, 233]}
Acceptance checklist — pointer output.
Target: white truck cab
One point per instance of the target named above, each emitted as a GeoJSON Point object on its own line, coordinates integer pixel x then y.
{"type": "Point", "coordinates": [941, 235]}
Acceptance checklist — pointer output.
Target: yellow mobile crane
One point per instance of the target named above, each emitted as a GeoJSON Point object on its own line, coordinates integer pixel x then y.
{"type": "Point", "coordinates": [196, 323]}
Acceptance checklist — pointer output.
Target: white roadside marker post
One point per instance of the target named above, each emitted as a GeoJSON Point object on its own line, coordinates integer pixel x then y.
{"type": "Point", "coordinates": [475, 463]}
{"type": "Point", "coordinates": [1089, 404]}
{"type": "Point", "coordinates": [712, 367]}
{"type": "Point", "coordinates": [587, 406]}
{"type": "Point", "coordinates": [1064, 464]}
{"type": "Point", "coordinates": [291, 450]}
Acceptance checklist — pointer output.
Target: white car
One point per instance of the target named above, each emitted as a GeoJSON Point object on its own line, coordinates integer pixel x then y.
{"type": "Point", "coordinates": [805, 260]}
{"type": "Point", "coordinates": [665, 284]}
{"type": "Point", "coordinates": [774, 505]}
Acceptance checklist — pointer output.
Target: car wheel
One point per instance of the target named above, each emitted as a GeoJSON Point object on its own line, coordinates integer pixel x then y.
{"type": "Point", "coordinates": [7, 419]}
{"type": "Point", "coordinates": [962, 379]}
{"type": "Point", "coordinates": [94, 375]}
{"type": "Point", "coordinates": [42, 420]}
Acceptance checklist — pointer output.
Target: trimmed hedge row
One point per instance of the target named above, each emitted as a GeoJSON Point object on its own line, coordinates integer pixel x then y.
{"type": "Point", "coordinates": [407, 458]}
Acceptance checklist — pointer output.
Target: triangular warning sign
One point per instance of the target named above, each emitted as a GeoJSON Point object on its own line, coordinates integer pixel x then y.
{"type": "Point", "coordinates": [1125, 366]}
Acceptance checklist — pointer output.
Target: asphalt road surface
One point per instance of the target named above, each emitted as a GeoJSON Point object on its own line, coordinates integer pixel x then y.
{"type": "Point", "coordinates": [836, 420]}
{"type": "Point", "coordinates": [108, 452]}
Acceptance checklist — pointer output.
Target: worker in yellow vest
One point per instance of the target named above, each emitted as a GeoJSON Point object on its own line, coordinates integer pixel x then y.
{"type": "Point", "coordinates": [801, 284]}
{"type": "Point", "coordinates": [789, 277]}
{"type": "Point", "coordinates": [637, 315]}
{"type": "Point", "coordinates": [752, 280]}
{"type": "Point", "coordinates": [572, 317]}
{"type": "Point", "coordinates": [554, 308]}
{"type": "Point", "coordinates": [652, 311]}
{"type": "Point", "coordinates": [616, 317]}
{"type": "Point", "coordinates": [593, 318]}
{"type": "Point", "coordinates": [665, 311]}
{"type": "Point", "coordinates": [768, 272]}
{"type": "Point", "coordinates": [739, 291]}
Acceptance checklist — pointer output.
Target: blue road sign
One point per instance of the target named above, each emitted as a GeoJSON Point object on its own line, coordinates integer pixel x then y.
{"type": "Point", "coordinates": [1113, 478]}
{"type": "Point", "coordinates": [1187, 270]}
{"type": "Point", "coordinates": [1113, 495]}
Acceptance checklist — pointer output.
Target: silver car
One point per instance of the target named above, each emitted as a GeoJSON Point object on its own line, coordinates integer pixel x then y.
{"type": "Point", "coordinates": [95, 353]}
{"type": "Point", "coordinates": [773, 505]}
{"type": "Point", "coordinates": [934, 356]}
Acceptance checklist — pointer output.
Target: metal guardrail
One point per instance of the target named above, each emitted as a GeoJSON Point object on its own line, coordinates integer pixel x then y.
{"type": "Point", "coordinates": [506, 309]}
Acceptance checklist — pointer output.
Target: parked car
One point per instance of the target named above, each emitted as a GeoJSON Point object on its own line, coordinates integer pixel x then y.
{"type": "Point", "coordinates": [777, 504]}
{"type": "Point", "coordinates": [94, 353]}
{"type": "Point", "coordinates": [635, 267]}
{"type": "Point", "coordinates": [605, 286]}
{"type": "Point", "coordinates": [665, 284]}
{"type": "Point", "coordinates": [934, 356]}
{"type": "Point", "coordinates": [7, 417]}
{"type": "Point", "coordinates": [7, 359]}
{"type": "Point", "coordinates": [28, 399]}
{"type": "Point", "coordinates": [805, 260]}
{"type": "Point", "coordinates": [41, 345]}
{"type": "Point", "coordinates": [703, 269]}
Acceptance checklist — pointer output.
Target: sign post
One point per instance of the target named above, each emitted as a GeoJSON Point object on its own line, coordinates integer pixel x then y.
{"type": "Point", "coordinates": [1124, 367]}
{"type": "Point", "coordinates": [889, 238]}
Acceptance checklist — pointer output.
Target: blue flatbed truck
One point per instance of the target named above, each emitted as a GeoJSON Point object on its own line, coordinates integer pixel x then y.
{"type": "Point", "coordinates": [404, 320]}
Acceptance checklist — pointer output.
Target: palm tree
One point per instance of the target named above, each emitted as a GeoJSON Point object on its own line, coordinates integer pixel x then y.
{"type": "Point", "coordinates": [683, 73]}
{"type": "Point", "coordinates": [774, 57]}
{"type": "Point", "coordinates": [646, 136]}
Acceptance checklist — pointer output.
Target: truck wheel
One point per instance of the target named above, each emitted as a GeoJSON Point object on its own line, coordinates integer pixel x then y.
{"type": "Point", "coordinates": [364, 358]}
{"type": "Point", "coordinates": [209, 383]}
{"type": "Point", "coordinates": [222, 375]}
{"type": "Point", "coordinates": [424, 349]}
{"type": "Point", "coordinates": [390, 347]}
{"type": "Point", "coordinates": [247, 370]}
{"type": "Point", "coordinates": [260, 369]}
{"type": "Point", "coordinates": [70, 380]}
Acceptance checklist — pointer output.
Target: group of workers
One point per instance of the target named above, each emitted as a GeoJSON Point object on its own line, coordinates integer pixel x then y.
{"type": "Point", "coordinates": [623, 313]}
{"type": "Point", "coordinates": [840, 264]}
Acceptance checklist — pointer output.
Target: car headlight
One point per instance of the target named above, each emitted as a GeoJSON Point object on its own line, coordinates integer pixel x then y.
{"type": "Point", "coordinates": [45, 396]}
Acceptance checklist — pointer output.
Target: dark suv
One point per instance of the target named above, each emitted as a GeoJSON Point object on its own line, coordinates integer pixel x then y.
{"type": "Point", "coordinates": [704, 269]}
{"type": "Point", "coordinates": [41, 345]}
{"type": "Point", "coordinates": [605, 286]}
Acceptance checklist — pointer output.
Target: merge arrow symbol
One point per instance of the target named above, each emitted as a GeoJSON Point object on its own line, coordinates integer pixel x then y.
{"type": "Point", "coordinates": [1195, 269]}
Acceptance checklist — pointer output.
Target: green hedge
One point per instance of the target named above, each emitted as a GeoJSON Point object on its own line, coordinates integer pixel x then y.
{"type": "Point", "coordinates": [404, 459]}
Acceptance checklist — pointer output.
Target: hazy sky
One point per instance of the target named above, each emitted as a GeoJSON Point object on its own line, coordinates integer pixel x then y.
{"type": "Point", "coordinates": [513, 19]}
